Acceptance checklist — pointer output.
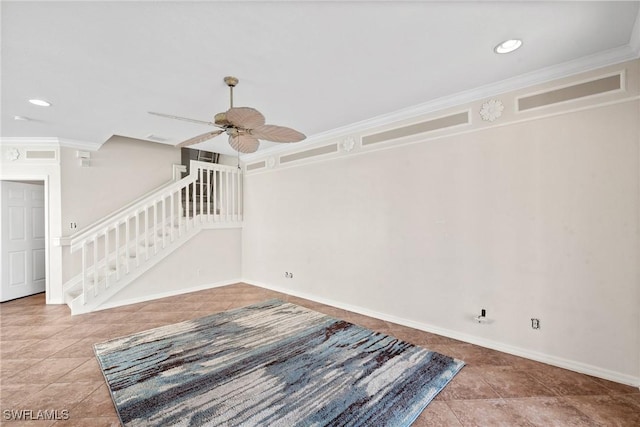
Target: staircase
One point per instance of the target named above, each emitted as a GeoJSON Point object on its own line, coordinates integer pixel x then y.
{"type": "Point", "coordinates": [120, 248]}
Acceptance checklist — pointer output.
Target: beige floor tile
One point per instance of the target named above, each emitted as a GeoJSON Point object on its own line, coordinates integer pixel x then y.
{"type": "Point", "coordinates": [87, 372]}
{"type": "Point", "coordinates": [550, 412]}
{"type": "Point", "coordinates": [608, 410]}
{"type": "Point", "coordinates": [468, 384]}
{"type": "Point", "coordinates": [478, 356]}
{"type": "Point", "coordinates": [46, 371]}
{"type": "Point", "coordinates": [437, 414]}
{"type": "Point", "coordinates": [48, 347]}
{"type": "Point", "coordinates": [97, 404]}
{"type": "Point", "coordinates": [90, 422]}
{"type": "Point", "coordinates": [12, 396]}
{"type": "Point", "coordinates": [47, 358]}
{"type": "Point", "coordinates": [489, 412]}
{"type": "Point", "coordinates": [564, 382]}
{"type": "Point", "coordinates": [509, 382]}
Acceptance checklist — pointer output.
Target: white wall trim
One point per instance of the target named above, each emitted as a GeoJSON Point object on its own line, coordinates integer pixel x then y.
{"type": "Point", "coordinates": [494, 345]}
{"type": "Point", "coordinates": [544, 75]}
{"type": "Point", "coordinates": [634, 41]}
{"type": "Point", "coordinates": [425, 137]}
{"type": "Point", "coordinates": [49, 173]}
{"type": "Point", "coordinates": [173, 293]}
{"type": "Point", "coordinates": [51, 141]}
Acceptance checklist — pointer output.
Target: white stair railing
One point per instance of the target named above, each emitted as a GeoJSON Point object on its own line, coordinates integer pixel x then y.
{"type": "Point", "coordinates": [127, 242]}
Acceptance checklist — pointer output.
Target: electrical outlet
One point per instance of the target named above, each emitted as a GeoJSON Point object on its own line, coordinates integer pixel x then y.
{"type": "Point", "coordinates": [535, 323]}
{"type": "Point", "coordinates": [73, 225]}
{"type": "Point", "coordinates": [288, 275]}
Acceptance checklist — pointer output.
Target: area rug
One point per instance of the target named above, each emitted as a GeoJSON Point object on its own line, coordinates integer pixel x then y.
{"type": "Point", "coordinates": [270, 364]}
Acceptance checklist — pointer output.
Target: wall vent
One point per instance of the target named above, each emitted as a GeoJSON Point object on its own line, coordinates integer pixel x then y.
{"type": "Point", "coordinates": [568, 93]}
{"type": "Point", "coordinates": [40, 154]}
{"type": "Point", "coordinates": [422, 127]}
{"type": "Point", "coordinates": [327, 149]}
{"type": "Point", "coordinates": [257, 165]}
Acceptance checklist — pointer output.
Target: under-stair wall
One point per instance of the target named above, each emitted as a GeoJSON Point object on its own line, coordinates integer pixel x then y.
{"type": "Point", "coordinates": [211, 258]}
{"type": "Point", "coordinates": [118, 250]}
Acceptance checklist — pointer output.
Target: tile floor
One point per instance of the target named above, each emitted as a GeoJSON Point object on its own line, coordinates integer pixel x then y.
{"type": "Point", "coordinates": [47, 363]}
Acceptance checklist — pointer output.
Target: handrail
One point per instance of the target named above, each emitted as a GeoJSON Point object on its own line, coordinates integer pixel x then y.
{"type": "Point", "coordinates": [110, 216]}
{"type": "Point", "coordinates": [139, 204]}
{"type": "Point", "coordinates": [150, 197]}
{"type": "Point", "coordinates": [129, 241]}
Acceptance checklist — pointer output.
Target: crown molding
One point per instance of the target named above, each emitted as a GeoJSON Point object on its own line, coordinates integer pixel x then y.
{"type": "Point", "coordinates": [544, 75]}
{"type": "Point", "coordinates": [634, 41]}
{"type": "Point", "coordinates": [50, 141]}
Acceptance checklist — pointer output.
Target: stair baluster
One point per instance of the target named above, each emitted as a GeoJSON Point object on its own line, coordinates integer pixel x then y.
{"type": "Point", "coordinates": [101, 275]}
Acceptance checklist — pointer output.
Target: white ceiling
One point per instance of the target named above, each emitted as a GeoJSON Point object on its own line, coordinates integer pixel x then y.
{"type": "Point", "coordinates": [314, 66]}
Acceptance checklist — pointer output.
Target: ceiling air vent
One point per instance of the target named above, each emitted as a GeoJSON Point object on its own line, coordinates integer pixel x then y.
{"type": "Point", "coordinates": [422, 127]}
{"type": "Point", "coordinates": [569, 93]}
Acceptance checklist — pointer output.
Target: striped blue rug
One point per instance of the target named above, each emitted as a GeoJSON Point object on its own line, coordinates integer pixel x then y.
{"type": "Point", "coordinates": [270, 364]}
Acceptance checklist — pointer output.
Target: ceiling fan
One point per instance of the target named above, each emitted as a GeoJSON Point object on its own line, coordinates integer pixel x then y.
{"type": "Point", "coordinates": [244, 125]}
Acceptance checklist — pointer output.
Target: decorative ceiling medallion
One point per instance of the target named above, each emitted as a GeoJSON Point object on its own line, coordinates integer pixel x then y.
{"type": "Point", "coordinates": [348, 144]}
{"type": "Point", "coordinates": [12, 154]}
{"type": "Point", "coordinates": [491, 110]}
{"type": "Point", "coordinates": [271, 162]}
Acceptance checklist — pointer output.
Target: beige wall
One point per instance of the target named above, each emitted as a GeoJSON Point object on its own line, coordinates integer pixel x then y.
{"type": "Point", "coordinates": [210, 258]}
{"type": "Point", "coordinates": [122, 170]}
{"type": "Point", "coordinates": [533, 218]}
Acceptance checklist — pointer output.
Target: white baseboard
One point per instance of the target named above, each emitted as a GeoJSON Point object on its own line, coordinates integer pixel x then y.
{"type": "Point", "coordinates": [560, 362]}
{"type": "Point", "coordinates": [150, 297]}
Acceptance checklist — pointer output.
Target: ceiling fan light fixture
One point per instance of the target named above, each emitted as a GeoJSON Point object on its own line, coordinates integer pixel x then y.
{"type": "Point", "coordinates": [40, 102]}
{"type": "Point", "coordinates": [508, 46]}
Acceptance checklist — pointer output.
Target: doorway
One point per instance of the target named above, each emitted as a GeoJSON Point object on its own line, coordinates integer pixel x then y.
{"type": "Point", "coordinates": [22, 239]}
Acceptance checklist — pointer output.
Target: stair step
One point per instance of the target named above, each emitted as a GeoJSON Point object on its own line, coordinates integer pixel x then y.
{"type": "Point", "coordinates": [74, 293]}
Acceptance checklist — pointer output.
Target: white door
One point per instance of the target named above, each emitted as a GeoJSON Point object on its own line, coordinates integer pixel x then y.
{"type": "Point", "coordinates": [22, 240]}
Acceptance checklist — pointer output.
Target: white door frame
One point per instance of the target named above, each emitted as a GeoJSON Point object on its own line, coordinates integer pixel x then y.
{"type": "Point", "coordinates": [16, 164]}
{"type": "Point", "coordinates": [44, 179]}
{"type": "Point", "coordinates": [47, 228]}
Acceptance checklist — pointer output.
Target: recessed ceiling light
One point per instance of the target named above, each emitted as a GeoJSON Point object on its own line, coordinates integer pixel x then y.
{"type": "Point", "coordinates": [508, 46]}
{"type": "Point", "coordinates": [40, 102]}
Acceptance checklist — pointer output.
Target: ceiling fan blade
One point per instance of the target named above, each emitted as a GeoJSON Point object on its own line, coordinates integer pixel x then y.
{"type": "Point", "coordinates": [245, 117]}
{"type": "Point", "coordinates": [244, 143]}
{"type": "Point", "coordinates": [277, 133]}
{"type": "Point", "coordinates": [200, 138]}
{"type": "Point", "coordinates": [185, 119]}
